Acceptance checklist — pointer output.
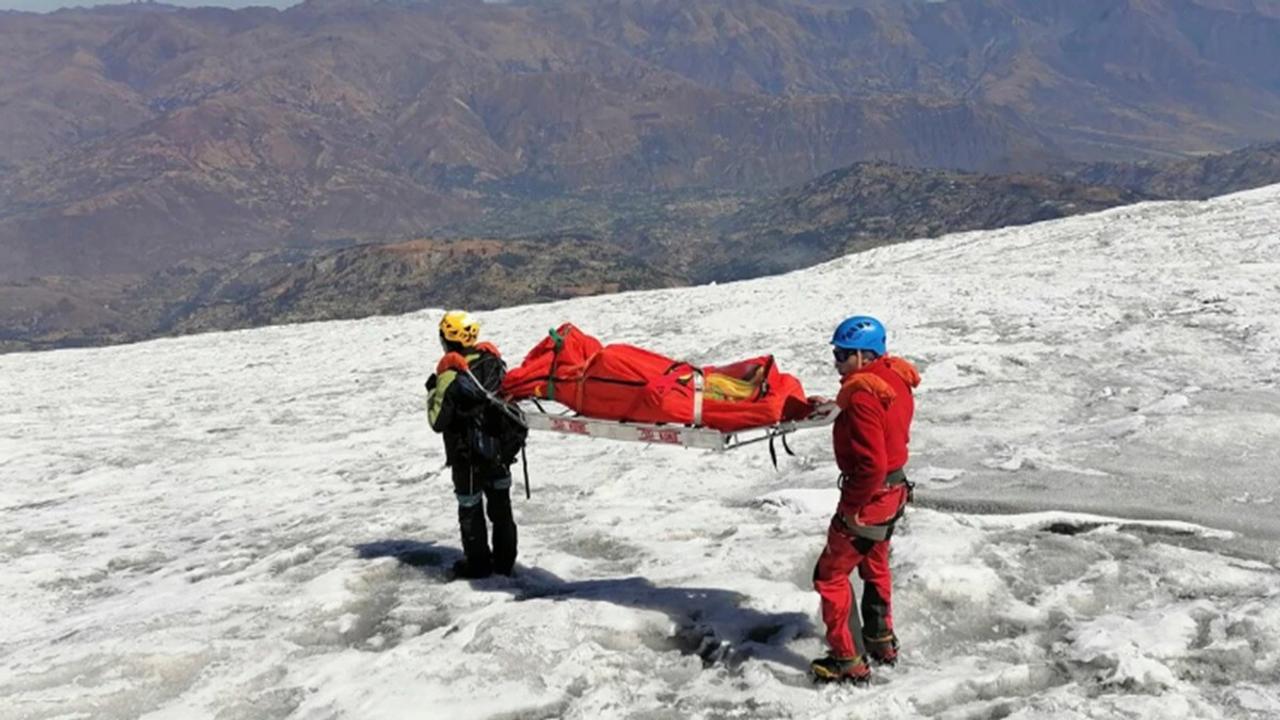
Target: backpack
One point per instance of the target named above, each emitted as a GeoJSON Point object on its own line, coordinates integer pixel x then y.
{"type": "Point", "coordinates": [505, 423]}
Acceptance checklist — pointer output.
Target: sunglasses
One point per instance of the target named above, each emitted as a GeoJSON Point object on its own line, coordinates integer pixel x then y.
{"type": "Point", "coordinates": [842, 354]}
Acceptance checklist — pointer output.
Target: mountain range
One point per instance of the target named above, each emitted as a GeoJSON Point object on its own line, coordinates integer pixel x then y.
{"type": "Point", "coordinates": [591, 244]}
{"type": "Point", "coordinates": [136, 137]}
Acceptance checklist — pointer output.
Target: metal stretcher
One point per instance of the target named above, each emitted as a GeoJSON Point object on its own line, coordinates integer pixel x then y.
{"type": "Point", "coordinates": [691, 436]}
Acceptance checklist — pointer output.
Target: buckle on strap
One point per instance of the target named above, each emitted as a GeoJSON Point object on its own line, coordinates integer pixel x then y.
{"type": "Point", "coordinates": [878, 533]}
{"type": "Point", "coordinates": [875, 533]}
{"type": "Point", "coordinates": [891, 479]}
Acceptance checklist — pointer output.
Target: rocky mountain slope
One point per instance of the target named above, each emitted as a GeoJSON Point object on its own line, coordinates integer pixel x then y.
{"type": "Point", "coordinates": [669, 241]}
{"type": "Point", "coordinates": [295, 285]}
{"type": "Point", "coordinates": [134, 137]}
{"type": "Point", "coordinates": [1194, 179]}
{"type": "Point", "coordinates": [869, 204]}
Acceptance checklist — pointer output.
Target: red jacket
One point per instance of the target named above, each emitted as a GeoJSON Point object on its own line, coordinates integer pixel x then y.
{"type": "Point", "coordinates": [871, 435]}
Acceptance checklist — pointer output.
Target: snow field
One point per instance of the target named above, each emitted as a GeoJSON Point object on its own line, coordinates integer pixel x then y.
{"type": "Point", "coordinates": [256, 524]}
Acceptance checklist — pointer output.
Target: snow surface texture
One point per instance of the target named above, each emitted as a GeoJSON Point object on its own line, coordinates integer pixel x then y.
{"type": "Point", "coordinates": [256, 524]}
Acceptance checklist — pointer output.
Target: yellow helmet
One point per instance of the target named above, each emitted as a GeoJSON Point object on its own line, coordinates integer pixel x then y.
{"type": "Point", "coordinates": [459, 327]}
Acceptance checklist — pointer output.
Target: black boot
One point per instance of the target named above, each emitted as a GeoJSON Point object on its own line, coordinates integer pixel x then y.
{"type": "Point", "coordinates": [475, 543]}
{"type": "Point", "coordinates": [842, 670]}
{"type": "Point", "coordinates": [504, 530]}
{"type": "Point", "coordinates": [464, 570]}
{"type": "Point", "coordinates": [882, 649]}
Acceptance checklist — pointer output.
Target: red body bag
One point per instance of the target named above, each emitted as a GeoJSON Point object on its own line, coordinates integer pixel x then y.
{"type": "Point", "coordinates": [624, 382]}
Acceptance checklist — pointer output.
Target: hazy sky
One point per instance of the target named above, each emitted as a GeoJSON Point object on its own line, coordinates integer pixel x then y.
{"type": "Point", "coordinates": [47, 5]}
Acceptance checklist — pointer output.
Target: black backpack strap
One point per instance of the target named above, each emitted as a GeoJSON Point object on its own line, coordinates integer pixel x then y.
{"type": "Point", "coordinates": [524, 463]}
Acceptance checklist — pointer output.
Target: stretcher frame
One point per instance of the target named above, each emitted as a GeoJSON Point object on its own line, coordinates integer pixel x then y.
{"type": "Point", "coordinates": [689, 436]}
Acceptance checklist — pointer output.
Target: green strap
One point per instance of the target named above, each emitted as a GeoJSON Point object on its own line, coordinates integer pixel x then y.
{"type": "Point", "coordinates": [555, 358]}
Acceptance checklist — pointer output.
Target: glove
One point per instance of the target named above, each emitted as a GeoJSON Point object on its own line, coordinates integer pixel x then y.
{"type": "Point", "coordinates": [431, 382]}
{"type": "Point", "coordinates": [452, 361]}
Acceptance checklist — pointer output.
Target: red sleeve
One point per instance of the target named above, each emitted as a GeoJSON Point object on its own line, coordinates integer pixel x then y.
{"type": "Point", "coordinates": [867, 451]}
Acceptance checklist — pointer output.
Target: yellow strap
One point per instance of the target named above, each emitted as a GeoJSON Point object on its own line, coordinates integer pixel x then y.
{"type": "Point", "coordinates": [435, 399]}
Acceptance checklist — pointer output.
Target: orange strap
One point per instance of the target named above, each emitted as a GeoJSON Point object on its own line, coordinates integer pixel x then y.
{"type": "Point", "coordinates": [452, 361]}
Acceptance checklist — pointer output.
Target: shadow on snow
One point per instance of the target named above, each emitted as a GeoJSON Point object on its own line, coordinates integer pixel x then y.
{"type": "Point", "coordinates": [711, 623]}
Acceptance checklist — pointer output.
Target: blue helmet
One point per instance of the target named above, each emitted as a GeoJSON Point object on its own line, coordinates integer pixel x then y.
{"type": "Point", "coordinates": [860, 332]}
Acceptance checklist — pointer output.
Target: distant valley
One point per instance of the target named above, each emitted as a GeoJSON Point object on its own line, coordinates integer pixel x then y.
{"type": "Point", "coordinates": [165, 170]}
{"type": "Point", "coordinates": [592, 244]}
{"type": "Point", "coordinates": [136, 137]}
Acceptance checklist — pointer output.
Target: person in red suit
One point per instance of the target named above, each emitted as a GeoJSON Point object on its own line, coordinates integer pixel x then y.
{"type": "Point", "coordinates": [870, 439]}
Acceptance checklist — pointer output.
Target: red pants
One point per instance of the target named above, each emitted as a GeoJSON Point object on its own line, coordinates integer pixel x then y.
{"type": "Point", "coordinates": [831, 579]}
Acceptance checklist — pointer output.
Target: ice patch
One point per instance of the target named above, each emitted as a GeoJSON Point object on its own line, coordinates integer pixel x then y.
{"type": "Point", "coordinates": [1118, 428]}
{"type": "Point", "coordinates": [1251, 499]}
{"type": "Point", "coordinates": [1084, 521]}
{"type": "Point", "coordinates": [1168, 405]}
{"type": "Point", "coordinates": [1036, 459]}
{"type": "Point", "coordinates": [1131, 650]}
{"type": "Point", "coordinates": [1164, 633]}
{"type": "Point", "coordinates": [802, 501]}
{"type": "Point", "coordinates": [1257, 699]}
{"type": "Point", "coordinates": [931, 476]}
{"type": "Point", "coordinates": [960, 371]}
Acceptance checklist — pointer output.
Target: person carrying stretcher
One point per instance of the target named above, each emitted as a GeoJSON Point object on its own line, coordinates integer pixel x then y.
{"type": "Point", "coordinates": [870, 439]}
{"type": "Point", "coordinates": [460, 406]}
